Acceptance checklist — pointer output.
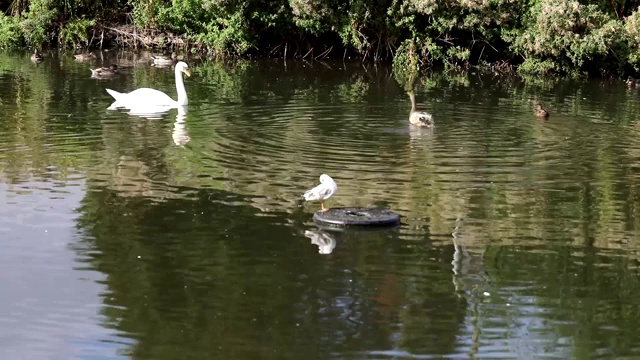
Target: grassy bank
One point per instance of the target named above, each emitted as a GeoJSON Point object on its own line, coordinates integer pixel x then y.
{"type": "Point", "coordinates": [535, 36]}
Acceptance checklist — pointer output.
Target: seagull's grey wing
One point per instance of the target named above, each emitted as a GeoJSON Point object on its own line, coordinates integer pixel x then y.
{"type": "Point", "coordinates": [317, 193]}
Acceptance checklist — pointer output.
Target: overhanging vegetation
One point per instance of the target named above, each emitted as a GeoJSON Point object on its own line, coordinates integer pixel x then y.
{"type": "Point", "coordinates": [534, 36]}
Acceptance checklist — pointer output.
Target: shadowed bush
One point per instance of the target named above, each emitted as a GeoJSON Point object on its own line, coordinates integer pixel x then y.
{"type": "Point", "coordinates": [537, 36]}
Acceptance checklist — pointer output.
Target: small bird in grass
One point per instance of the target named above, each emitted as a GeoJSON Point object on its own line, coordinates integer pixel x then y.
{"type": "Point", "coordinates": [322, 192]}
{"type": "Point", "coordinates": [540, 112]}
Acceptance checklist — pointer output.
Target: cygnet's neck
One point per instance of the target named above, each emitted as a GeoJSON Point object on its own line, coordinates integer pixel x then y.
{"type": "Point", "coordinates": [412, 97]}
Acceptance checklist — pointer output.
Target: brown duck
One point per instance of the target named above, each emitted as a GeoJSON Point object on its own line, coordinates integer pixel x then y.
{"type": "Point", "coordinates": [105, 72]}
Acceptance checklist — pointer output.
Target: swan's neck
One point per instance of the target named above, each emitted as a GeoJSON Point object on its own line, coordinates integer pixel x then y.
{"type": "Point", "coordinates": [412, 96]}
{"type": "Point", "coordinates": [182, 93]}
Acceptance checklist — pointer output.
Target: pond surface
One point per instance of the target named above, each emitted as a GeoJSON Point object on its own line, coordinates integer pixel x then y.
{"type": "Point", "coordinates": [184, 236]}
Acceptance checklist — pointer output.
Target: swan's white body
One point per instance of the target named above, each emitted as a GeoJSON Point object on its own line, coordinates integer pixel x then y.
{"type": "Point", "coordinates": [322, 192]}
{"type": "Point", "coordinates": [146, 97]}
{"type": "Point", "coordinates": [419, 118]}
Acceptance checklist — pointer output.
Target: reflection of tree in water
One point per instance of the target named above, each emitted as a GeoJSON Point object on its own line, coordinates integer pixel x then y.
{"type": "Point", "coordinates": [213, 273]}
{"type": "Point", "coordinates": [337, 110]}
{"type": "Point", "coordinates": [474, 160]}
{"type": "Point", "coordinates": [561, 293]}
{"type": "Point", "coordinates": [215, 278]}
{"type": "Point", "coordinates": [410, 297]}
{"type": "Point", "coordinates": [470, 280]}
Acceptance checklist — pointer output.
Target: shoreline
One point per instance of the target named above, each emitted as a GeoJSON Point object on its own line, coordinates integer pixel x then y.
{"type": "Point", "coordinates": [515, 37]}
{"type": "Point", "coordinates": [128, 36]}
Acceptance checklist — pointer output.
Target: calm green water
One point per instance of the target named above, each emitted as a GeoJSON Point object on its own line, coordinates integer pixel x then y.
{"type": "Point", "coordinates": [185, 237]}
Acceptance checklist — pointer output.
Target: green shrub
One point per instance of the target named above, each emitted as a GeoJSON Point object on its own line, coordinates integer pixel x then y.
{"type": "Point", "coordinates": [76, 32]}
{"type": "Point", "coordinates": [11, 35]}
{"type": "Point", "coordinates": [565, 35]}
{"type": "Point", "coordinates": [539, 36]}
{"type": "Point", "coordinates": [37, 23]}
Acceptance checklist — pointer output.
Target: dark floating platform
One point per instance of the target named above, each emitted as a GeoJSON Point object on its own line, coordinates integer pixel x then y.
{"type": "Point", "coordinates": [353, 216]}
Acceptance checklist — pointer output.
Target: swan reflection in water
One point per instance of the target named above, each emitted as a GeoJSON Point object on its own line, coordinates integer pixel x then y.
{"type": "Point", "coordinates": [418, 132]}
{"type": "Point", "coordinates": [145, 111]}
{"type": "Point", "coordinates": [325, 241]}
{"type": "Point", "coordinates": [179, 134]}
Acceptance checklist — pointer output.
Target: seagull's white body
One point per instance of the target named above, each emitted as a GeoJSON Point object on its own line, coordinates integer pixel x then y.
{"type": "Point", "coordinates": [325, 190]}
{"type": "Point", "coordinates": [322, 192]}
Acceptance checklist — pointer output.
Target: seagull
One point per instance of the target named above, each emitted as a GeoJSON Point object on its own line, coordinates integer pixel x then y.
{"type": "Point", "coordinates": [322, 192]}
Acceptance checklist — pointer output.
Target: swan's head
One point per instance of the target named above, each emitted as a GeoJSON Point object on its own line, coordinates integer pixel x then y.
{"type": "Point", "coordinates": [326, 179]}
{"type": "Point", "coordinates": [183, 67]}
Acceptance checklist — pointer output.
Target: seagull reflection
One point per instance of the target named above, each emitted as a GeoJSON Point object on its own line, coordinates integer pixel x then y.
{"type": "Point", "coordinates": [180, 135]}
{"type": "Point", "coordinates": [325, 241]}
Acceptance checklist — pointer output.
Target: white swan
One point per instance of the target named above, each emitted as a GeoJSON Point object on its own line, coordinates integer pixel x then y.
{"type": "Point", "coordinates": [322, 192]}
{"type": "Point", "coordinates": [146, 97]}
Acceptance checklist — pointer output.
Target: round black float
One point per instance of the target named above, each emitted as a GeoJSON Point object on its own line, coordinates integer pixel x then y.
{"type": "Point", "coordinates": [353, 216]}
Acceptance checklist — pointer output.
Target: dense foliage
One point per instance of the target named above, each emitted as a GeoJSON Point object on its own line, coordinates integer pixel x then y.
{"type": "Point", "coordinates": [538, 36]}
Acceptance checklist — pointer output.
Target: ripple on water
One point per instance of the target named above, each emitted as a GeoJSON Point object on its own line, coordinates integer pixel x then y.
{"type": "Point", "coordinates": [471, 155]}
{"type": "Point", "coordinates": [290, 147]}
{"type": "Point", "coordinates": [281, 148]}
{"type": "Point", "coordinates": [454, 279]}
